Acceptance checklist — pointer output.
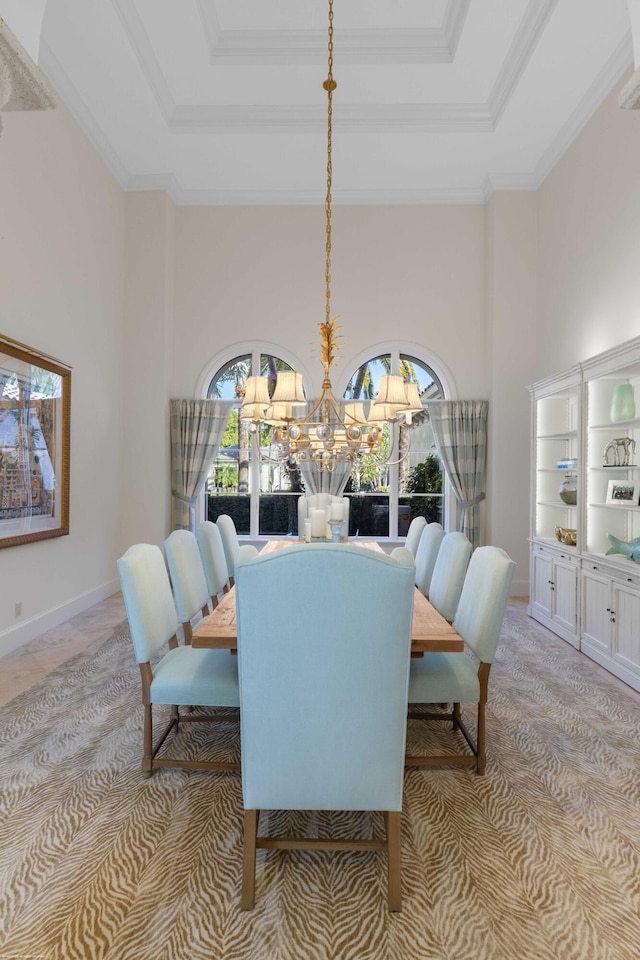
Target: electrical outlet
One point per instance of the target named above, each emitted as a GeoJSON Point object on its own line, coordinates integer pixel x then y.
{"type": "Point", "coordinates": [19, 608]}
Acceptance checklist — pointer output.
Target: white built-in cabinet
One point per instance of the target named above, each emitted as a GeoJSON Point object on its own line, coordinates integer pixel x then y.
{"type": "Point", "coordinates": [587, 596]}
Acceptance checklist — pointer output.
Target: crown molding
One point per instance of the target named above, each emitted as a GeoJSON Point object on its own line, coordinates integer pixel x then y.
{"type": "Point", "coordinates": [69, 95]}
{"type": "Point", "coordinates": [354, 118]}
{"type": "Point", "coordinates": [609, 76]}
{"type": "Point", "coordinates": [263, 47]}
{"type": "Point", "coordinates": [138, 39]}
{"type": "Point", "coordinates": [284, 118]}
{"type": "Point", "coordinates": [526, 39]}
{"type": "Point", "coordinates": [285, 198]}
{"type": "Point", "coordinates": [295, 46]}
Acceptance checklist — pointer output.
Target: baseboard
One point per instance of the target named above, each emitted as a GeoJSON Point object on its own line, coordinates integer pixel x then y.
{"type": "Point", "coordinates": [29, 629]}
{"type": "Point", "coordinates": [519, 588]}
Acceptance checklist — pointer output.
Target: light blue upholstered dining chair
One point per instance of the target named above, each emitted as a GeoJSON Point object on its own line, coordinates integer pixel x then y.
{"type": "Point", "coordinates": [213, 559]}
{"type": "Point", "coordinates": [414, 533]}
{"type": "Point", "coordinates": [426, 554]}
{"type": "Point", "coordinates": [189, 582]}
{"type": "Point", "coordinates": [322, 501]}
{"type": "Point", "coordinates": [323, 691]}
{"type": "Point", "coordinates": [182, 676]}
{"type": "Point", "coordinates": [457, 678]}
{"type": "Point", "coordinates": [230, 541]}
{"type": "Point", "coordinates": [449, 573]}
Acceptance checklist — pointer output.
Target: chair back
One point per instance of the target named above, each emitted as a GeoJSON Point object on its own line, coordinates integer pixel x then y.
{"type": "Point", "coordinates": [187, 574]}
{"type": "Point", "coordinates": [449, 573]}
{"type": "Point", "coordinates": [483, 601]}
{"type": "Point", "coordinates": [213, 557]}
{"type": "Point", "coordinates": [324, 677]}
{"type": "Point", "coordinates": [414, 533]}
{"type": "Point", "coordinates": [230, 541]}
{"type": "Point", "coordinates": [322, 501]}
{"type": "Point", "coordinates": [426, 554]}
{"type": "Point", "coordinates": [148, 599]}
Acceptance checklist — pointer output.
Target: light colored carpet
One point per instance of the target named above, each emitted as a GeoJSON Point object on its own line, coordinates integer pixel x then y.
{"type": "Point", "coordinates": [537, 860]}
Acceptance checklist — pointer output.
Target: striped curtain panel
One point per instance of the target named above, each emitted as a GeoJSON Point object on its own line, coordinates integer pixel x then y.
{"type": "Point", "coordinates": [197, 428]}
{"type": "Point", "coordinates": [460, 433]}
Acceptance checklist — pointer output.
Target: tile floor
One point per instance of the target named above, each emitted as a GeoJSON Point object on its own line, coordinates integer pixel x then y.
{"type": "Point", "coordinates": [23, 667]}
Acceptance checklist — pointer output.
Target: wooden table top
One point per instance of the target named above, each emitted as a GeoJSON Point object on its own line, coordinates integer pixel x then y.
{"type": "Point", "coordinates": [430, 632]}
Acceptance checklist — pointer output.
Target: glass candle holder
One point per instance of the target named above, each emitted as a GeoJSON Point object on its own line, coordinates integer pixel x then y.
{"type": "Point", "coordinates": [336, 530]}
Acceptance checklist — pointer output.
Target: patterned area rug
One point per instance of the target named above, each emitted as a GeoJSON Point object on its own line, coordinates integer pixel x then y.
{"type": "Point", "coordinates": [537, 860]}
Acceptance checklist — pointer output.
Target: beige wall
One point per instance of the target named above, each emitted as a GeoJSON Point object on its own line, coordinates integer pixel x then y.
{"type": "Point", "coordinates": [62, 221]}
{"type": "Point", "coordinates": [144, 513]}
{"type": "Point", "coordinates": [414, 274]}
{"type": "Point", "coordinates": [140, 298]}
{"type": "Point", "coordinates": [511, 299]}
{"type": "Point", "coordinates": [589, 240]}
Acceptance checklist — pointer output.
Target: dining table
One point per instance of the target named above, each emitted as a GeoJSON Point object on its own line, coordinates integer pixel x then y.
{"type": "Point", "coordinates": [430, 632]}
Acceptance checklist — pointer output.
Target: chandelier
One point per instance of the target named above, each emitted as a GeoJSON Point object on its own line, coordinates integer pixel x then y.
{"type": "Point", "coordinates": [334, 431]}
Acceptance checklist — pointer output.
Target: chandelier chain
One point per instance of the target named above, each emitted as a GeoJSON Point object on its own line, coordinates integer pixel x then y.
{"type": "Point", "coordinates": [334, 433]}
{"type": "Point", "coordinates": [329, 85]}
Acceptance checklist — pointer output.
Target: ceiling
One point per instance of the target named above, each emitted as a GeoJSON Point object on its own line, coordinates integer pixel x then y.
{"type": "Point", "coordinates": [438, 101]}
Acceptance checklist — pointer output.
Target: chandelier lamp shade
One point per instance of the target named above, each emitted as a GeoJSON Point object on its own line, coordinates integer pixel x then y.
{"type": "Point", "coordinates": [334, 431]}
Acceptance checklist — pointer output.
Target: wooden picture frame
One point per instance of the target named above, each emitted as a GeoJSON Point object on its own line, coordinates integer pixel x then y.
{"type": "Point", "coordinates": [623, 493]}
{"type": "Point", "coordinates": [35, 423]}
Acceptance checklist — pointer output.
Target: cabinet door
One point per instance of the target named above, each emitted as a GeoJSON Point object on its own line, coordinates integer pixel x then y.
{"type": "Point", "coordinates": [542, 580]}
{"type": "Point", "coordinates": [565, 590]}
{"type": "Point", "coordinates": [626, 613]}
{"type": "Point", "coordinates": [596, 610]}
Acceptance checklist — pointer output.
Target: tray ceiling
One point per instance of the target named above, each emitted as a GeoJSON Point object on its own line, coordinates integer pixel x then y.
{"type": "Point", "coordinates": [221, 101]}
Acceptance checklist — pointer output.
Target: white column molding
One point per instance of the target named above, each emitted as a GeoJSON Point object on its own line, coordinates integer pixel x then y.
{"type": "Point", "coordinates": [22, 84]}
{"type": "Point", "coordinates": [629, 96]}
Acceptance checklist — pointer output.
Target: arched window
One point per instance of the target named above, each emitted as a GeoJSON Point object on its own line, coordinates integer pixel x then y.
{"type": "Point", "coordinates": [259, 492]}
{"type": "Point", "coordinates": [385, 498]}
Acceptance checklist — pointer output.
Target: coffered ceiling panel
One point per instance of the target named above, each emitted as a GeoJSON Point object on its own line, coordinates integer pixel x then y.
{"type": "Point", "coordinates": [221, 101]}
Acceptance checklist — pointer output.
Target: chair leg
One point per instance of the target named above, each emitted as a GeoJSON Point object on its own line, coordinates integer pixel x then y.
{"type": "Point", "coordinates": [393, 822]}
{"type": "Point", "coordinates": [147, 752]}
{"type": "Point", "coordinates": [455, 717]}
{"type": "Point", "coordinates": [247, 899]}
{"type": "Point", "coordinates": [480, 742]}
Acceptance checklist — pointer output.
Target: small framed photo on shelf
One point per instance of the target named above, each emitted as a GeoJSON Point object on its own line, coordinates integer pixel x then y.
{"type": "Point", "coordinates": [622, 493]}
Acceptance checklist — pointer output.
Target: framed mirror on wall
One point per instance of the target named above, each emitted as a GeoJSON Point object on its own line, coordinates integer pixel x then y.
{"type": "Point", "coordinates": [35, 420]}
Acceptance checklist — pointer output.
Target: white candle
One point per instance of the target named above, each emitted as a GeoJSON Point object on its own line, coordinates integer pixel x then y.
{"type": "Point", "coordinates": [318, 523]}
{"type": "Point", "coordinates": [307, 531]}
{"type": "Point", "coordinates": [336, 511]}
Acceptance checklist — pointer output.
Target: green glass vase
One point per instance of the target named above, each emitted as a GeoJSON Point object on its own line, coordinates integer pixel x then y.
{"type": "Point", "coordinates": [623, 406]}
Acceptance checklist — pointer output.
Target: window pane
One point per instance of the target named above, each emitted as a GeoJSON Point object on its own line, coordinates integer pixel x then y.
{"type": "Point", "coordinates": [368, 515]}
{"type": "Point", "coordinates": [228, 471]}
{"type": "Point", "coordinates": [269, 367]}
{"type": "Point", "coordinates": [420, 476]}
{"type": "Point", "coordinates": [279, 514]}
{"type": "Point", "coordinates": [415, 371]}
{"type": "Point", "coordinates": [365, 382]}
{"type": "Point", "coordinates": [229, 382]}
{"type": "Point", "coordinates": [236, 507]}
